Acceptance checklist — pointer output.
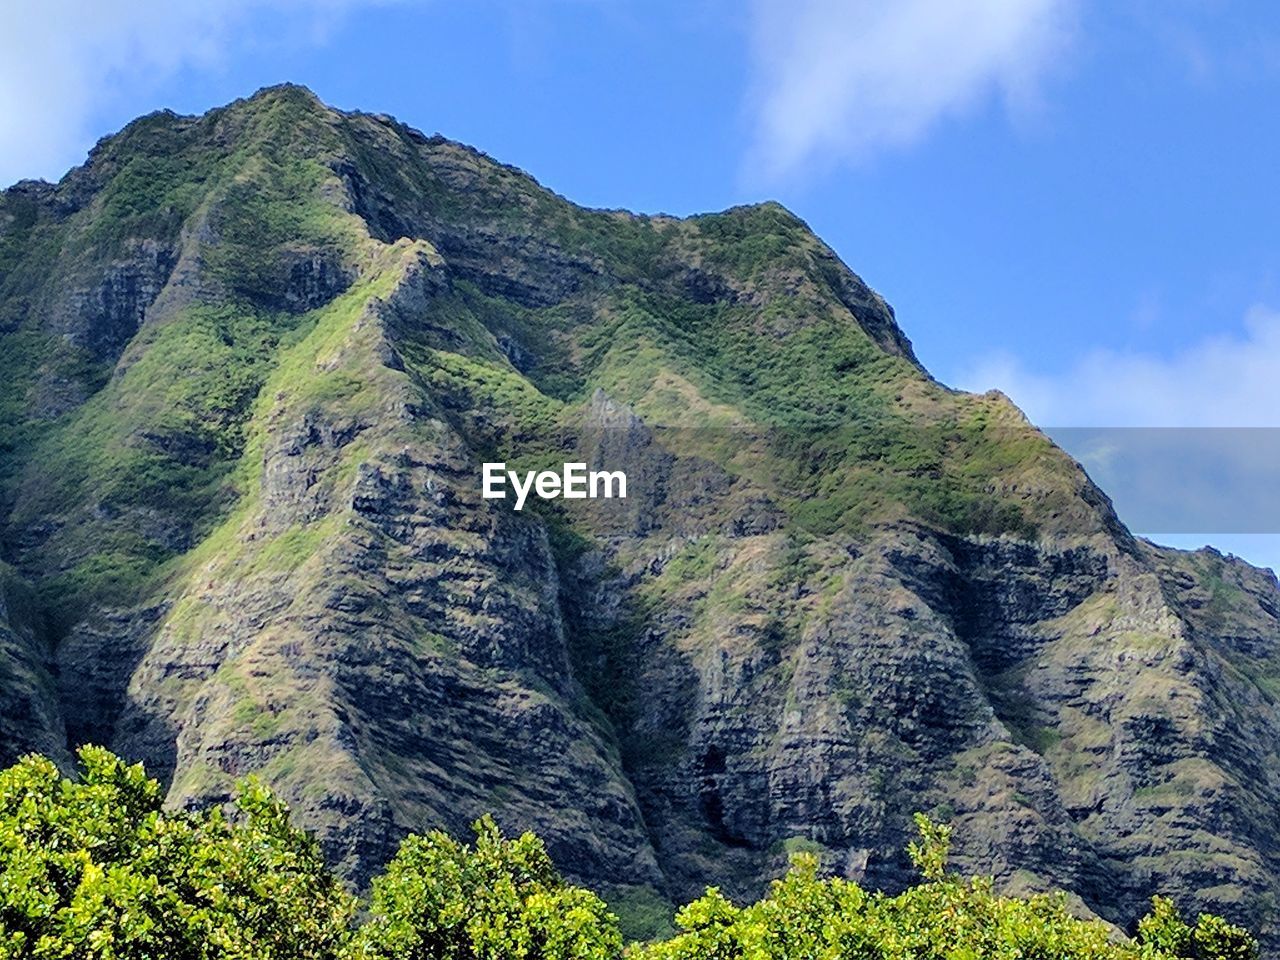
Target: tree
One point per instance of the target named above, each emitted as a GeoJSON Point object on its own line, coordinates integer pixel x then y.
{"type": "Point", "coordinates": [94, 868]}
{"type": "Point", "coordinates": [947, 917]}
{"type": "Point", "coordinates": [501, 900]}
{"type": "Point", "coordinates": [1212, 938]}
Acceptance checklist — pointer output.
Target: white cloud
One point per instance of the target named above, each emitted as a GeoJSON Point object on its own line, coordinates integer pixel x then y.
{"type": "Point", "coordinates": [1178, 480]}
{"type": "Point", "coordinates": [838, 79]}
{"type": "Point", "coordinates": [62, 60]}
{"type": "Point", "coordinates": [1222, 381]}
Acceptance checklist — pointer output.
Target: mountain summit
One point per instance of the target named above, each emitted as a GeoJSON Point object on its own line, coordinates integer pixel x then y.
{"type": "Point", "coordinates": [251, 364]}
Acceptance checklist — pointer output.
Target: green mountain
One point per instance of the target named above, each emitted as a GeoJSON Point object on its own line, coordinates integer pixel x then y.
{"type": "Point", "coordinates": [250, 366]}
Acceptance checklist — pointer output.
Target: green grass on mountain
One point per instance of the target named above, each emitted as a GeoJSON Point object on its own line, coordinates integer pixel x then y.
{"type": "Point", "coordinates": [162, 437]}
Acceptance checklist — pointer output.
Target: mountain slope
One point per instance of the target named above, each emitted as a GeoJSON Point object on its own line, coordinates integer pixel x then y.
{"type": "Point", "coordinates": [252, 362]}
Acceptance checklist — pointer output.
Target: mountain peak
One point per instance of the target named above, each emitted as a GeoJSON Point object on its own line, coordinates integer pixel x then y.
{"type": "Point", "coordinates": [287, 90]}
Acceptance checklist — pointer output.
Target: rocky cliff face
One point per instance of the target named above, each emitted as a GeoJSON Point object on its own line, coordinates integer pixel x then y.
{"type": "Point", "coordinates": [251, 365]}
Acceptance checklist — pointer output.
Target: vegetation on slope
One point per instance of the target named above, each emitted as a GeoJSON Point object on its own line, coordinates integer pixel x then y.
{"type": "Point", "coordinates": [94, 868]}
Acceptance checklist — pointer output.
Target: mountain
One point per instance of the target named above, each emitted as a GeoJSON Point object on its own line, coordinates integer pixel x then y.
{"type": "Point", "coordinates": [251, 364]}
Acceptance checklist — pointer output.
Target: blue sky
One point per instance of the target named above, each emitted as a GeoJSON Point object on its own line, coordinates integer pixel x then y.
{"type": "Point", "coordinates": [1072, 200]}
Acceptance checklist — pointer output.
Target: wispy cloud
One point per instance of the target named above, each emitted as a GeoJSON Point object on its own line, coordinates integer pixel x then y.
{"type": "Point", "coordinates": [62, 60]}
{"type": "Point", "coordinates": [1221, 381]}
{"type": "Point", "coordinates": [839, 79]}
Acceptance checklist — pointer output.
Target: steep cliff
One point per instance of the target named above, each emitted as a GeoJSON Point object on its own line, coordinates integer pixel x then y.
{"type": "Point", "coordinates": [250, 364]}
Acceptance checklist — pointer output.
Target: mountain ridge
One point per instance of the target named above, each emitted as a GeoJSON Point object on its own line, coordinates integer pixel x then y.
{"type": "Point", "coordinates": [252, 360]}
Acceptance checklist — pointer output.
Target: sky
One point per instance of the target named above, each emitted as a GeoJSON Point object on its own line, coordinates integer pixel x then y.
{"type": "Point", "coordinates": [1073, 201]}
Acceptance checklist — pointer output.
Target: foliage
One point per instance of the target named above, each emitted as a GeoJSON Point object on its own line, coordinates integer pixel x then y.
{"type": "Point", "coordinates": [94, 868]}
{"type": "Point", "coordinates": [929, 854]}
{"type": "Point", "coordinates": [1212, 938]}
{"type": "Point", "coordinates": [501, 900]}
{"type": "Point", "coordinates": [946, 916]}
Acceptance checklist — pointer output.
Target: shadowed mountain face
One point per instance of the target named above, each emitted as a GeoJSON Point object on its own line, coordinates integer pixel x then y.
{"type": "Point", "coordinates": [250, 366]}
